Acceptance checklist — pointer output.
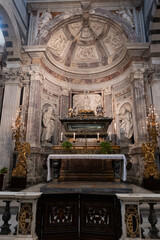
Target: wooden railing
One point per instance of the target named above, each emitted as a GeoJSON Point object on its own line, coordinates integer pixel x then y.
{"type": "Point", "coordinates": [18, 215]}
{"type": "Point", "coordinates": [140, 216]}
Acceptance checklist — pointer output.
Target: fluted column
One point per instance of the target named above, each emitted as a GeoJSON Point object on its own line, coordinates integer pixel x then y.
{"type": "Point", "coordinates": [34, 111]}
{"type": "Point", "coordinates": [139, 106]}
{"type": "Point", "coordinates": [11, 103]}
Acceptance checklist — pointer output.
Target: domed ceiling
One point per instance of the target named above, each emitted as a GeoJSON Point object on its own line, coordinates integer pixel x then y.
{"type": "Point", "coordinates": [85, 45]}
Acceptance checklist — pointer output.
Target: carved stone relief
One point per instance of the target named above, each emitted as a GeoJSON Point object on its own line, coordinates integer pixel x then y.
{"type": "Point", "coordinates": [87, 102]}
{"type": "Point", "coordinates": [97, 27]}
{"type": "Point", "coordinates": [114, 39]}
{"type": "Point", "coordinates": [75, 28]}
{"type": "Point", "coordinates": [58, 42]}
{"type": "Point", "coordinates": [86, 53]}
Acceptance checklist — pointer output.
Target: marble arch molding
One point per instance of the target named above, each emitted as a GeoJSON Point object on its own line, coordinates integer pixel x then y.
{"type": "Point", "coordinates": [10, 31]}
{"type": "Point", "coordinates": [78, 47]}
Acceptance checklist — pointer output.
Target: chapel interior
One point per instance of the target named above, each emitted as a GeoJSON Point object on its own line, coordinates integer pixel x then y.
{"type": "Point", "coordinates": [79, 110]}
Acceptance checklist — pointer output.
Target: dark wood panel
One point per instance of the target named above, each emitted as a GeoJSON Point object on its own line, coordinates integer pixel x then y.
{"type": "Point", "coordinates": [99, 215]}
{"type": "Point", "coordinates": [79, 217]}
{"type": "Point", "coordinates": [86, 169]}
{"type": "Point", "coordinates": [60, 213]}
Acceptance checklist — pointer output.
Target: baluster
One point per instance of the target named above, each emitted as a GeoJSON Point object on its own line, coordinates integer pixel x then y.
{"type": "Point", "coordinates": [141, 221]}
{"type": "Point", "coordinates": [5, 228]}
{"type": "Point", "coordinates": [153, 231]}
{"type": "Point", "coordinates": [15, 232]}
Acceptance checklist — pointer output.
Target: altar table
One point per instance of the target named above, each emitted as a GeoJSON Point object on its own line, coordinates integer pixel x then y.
{"type": "Point", "coordinates": [87, 156]}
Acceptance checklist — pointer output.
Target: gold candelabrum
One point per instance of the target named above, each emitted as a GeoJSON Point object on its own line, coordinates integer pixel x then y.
{"type": "Point", "coordinates": [22, 147]}
{"type": "Point", "coordinates": [149, 148]}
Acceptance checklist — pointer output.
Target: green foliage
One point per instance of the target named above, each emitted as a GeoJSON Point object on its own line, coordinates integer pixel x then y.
{"type": "Point", "coordinates": [66, 145]}
{"type": "Point", "coordinates": [3, 170]}
{"type": "Point", "coordinates": [106, 147]}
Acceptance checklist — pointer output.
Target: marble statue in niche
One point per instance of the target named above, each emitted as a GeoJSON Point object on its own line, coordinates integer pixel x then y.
{"type": "Point", "coordinates": [126, 122]}
{"type": "Point", "coordinates": [48, 125]}
{"type": "Point", "coordinates": [44, 19]}
{"type": "Point", "coordinates": [126, 14]}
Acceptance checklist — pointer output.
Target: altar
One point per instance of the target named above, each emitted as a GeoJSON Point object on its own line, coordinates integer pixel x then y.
{"type": "Point", "coordinates": [86, 167]}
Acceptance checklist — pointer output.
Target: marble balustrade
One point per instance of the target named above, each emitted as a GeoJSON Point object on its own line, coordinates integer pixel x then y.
{"type": "Point", "coordinates": [20, 209]}
{"type": "Point", "coordinates": [140, 216]}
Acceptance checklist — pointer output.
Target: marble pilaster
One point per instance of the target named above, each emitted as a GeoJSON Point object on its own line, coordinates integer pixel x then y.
{"type": "Point", "coordinates": [139, 108]}
{"type": "Point", "coordinates": [155, 88]}
{"type": "Point", "coordinates": [34, 111]}
{"type": "Point", "coordinates": [10, 106]}
{"type": "Point", "coordinates": [108, 108]}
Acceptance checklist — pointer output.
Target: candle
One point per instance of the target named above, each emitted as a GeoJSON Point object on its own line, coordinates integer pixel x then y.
{"type": "Point", "coordinates": [98, 136]}
{"type": "Point", "coordinates": [61, 136]}
{"type": "Point", "coordinates": [74, 136]}
{"type": "Point", "coordinates": [109, 136]}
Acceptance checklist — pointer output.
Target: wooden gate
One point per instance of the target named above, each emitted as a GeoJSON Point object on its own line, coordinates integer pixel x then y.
{"type": "Point", "coordinates": [78, 217]}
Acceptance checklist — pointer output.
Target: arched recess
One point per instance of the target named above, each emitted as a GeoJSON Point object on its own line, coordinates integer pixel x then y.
{"type": "Point", "coordinates": [10, 31]}
{"type": "Point", "coordinates": [82, 49]}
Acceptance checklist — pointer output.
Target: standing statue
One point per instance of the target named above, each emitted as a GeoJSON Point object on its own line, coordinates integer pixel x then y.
{"type": "Point", "coordinates": [126, 15]}
{"type": "Point", "coordinates": [48, 121]}
{"type": "Point", "coordinates": [126, 125]}
{"type": "Point", "coordinates": [44, 19]}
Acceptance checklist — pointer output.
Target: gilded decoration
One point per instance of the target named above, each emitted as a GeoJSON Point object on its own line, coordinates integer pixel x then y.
{"type": "Point", "coordinates": [25, 218]}
{"type": "Point", "coordinates": [149, 148]}
{"type": "Point", "coordinates": [132, 221]}
{"type": "Point", "coordinates": [22, 147]}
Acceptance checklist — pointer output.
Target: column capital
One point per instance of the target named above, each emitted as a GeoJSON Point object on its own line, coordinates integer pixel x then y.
{"type": "Point", "coordinates": [107, 90]}
{"type": "Point", "coordinates": [37, 74]}
{"type": "Point", "coordinates": [14, 75]}
{"type": "Point", "coordinates": [137, 73]}
{"type": "Point", "coordinates": [66, 91]}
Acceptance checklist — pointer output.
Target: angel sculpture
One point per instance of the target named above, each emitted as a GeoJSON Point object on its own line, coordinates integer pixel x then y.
{"type": "Point", "coordinates": [127, 15]}
{"type": "Point", "coordinates": [44, 19]}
